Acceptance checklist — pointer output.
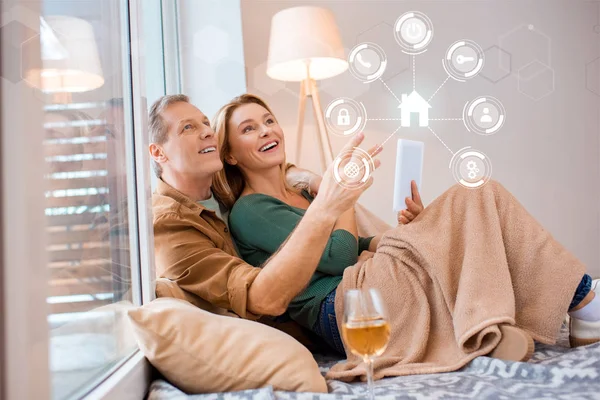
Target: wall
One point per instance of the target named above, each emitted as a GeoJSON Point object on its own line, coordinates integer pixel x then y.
{"type": "Point", "coordinates": [211, 52]}
{"type": "Point", "coordinates": [547, 153]}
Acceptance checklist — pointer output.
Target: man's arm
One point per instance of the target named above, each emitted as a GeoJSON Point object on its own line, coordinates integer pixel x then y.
{"type": "Point", "coordinates": [188, 257]}
{"type": "Point", "coordinates": [288, 272]}
{"type": "Point", "coordinates": [265, 224]}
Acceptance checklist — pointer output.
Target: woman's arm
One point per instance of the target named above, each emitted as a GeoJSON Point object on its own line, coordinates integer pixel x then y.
{"type": "Point", "coordinates": [347, 222]}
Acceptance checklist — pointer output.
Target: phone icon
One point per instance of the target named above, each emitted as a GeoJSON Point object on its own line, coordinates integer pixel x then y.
{"type": "Point", "coordinates": [362, 62]}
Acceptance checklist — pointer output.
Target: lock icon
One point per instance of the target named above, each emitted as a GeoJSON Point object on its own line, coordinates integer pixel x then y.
{"type": "Point", "coordinates": [343, 118]}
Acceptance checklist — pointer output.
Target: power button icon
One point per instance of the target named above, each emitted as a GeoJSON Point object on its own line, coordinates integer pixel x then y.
{"type": "Point", "coordinates": [413, 30]}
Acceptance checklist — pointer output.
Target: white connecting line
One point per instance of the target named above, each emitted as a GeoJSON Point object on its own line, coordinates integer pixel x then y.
{"type": "Point", "coordinates": [384, 119]}
{"type": "Point", "coordinates": [388, 88]}
{"type": "Point", "coordinates": [381, 145]}
{"type": "Point", "coordinates": [388, 138]}
{"type": "Point", "coordinates": [445, 119]}
{"type": "Point", "coordinates": [414, 74]}
{"type": "Point", "coordinates": [440, 140]}
{"type": "Point", "coordinates": [438, 89]}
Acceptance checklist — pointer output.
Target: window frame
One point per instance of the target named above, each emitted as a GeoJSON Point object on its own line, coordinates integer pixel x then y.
{"type": "Point", "coordinates": [2, 313]}
{"type": "Point", "coordinates": [26, 372]}
{"type": "Point", "coordinates": [141, 157]}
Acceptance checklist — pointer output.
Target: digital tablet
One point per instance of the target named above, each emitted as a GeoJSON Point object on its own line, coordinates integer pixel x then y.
{"type": "Point", "coordinates": [409, 167]}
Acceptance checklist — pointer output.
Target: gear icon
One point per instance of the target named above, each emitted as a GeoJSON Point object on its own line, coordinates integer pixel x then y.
{"type": "Point", "coordinates": [473, 170]}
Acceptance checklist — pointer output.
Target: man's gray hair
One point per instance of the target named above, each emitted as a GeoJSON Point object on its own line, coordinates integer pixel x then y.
{"type": "Point", "coordinates": [159, 130]}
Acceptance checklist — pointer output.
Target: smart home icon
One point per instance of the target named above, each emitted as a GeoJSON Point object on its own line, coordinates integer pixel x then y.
{"type": "Point", "coordinates": [414, 103]}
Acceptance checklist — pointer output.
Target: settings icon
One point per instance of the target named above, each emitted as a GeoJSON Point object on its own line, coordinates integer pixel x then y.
{"type": "Point", "coordinates": [473, 170]}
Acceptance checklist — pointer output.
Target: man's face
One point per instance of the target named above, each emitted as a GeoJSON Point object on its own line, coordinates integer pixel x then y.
{"type": "Point", "coordinates": [191, 147]}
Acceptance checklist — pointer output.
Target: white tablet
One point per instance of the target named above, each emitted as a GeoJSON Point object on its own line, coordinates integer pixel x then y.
{"type": "Point", "coordinates": [409, 167]}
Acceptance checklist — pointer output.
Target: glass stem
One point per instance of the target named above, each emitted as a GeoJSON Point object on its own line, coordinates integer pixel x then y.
{"type": "Point", "coordinates": [369, 363]}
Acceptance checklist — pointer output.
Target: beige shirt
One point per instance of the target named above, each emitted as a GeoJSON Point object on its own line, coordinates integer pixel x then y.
{"type": "Point", "coordinates": [193, 247]}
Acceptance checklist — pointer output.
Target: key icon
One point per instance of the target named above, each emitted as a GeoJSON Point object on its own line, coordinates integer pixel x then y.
{"type": "Point", "coordinates": [463, 59]}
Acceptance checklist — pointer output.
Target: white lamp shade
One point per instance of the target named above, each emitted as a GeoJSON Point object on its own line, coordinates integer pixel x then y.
{"type": "Point", "coordinates": [302, 36]}
{"type": "Point", "coordinates": [70, 61]}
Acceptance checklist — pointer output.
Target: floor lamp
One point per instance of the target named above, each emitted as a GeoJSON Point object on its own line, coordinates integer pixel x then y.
{"type": "Point", "coordinates": [305, 46]}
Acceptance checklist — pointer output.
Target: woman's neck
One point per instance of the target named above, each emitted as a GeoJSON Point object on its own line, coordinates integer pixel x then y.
{"type": "Point", "coordinates": [267, 182]}
{"type": "Point", "coordinates": [196, 188]}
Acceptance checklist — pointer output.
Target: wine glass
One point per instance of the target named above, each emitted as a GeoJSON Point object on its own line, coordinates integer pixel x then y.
{"type": "Point", "coordinates": [366, 329]}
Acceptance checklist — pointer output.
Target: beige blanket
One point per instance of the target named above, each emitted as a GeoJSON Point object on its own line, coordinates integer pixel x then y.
{"type": "Point", "coordinates": [472, 259]}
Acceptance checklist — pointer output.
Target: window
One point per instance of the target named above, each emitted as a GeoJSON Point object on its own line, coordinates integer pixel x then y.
{"type": "Point", "coordinates": [85, 83]}
{"type": "Point", "coordinates": [80, 199]}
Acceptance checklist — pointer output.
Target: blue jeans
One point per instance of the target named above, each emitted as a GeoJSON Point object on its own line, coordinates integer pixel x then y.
{"type": "Point", "coordinates": [582, 290]}
{"type": "Point", "coordinates": [326, 326]}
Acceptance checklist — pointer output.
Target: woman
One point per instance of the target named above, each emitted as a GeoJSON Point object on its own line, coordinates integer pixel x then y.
{"type": "Point", "coordinates": [442, 267]}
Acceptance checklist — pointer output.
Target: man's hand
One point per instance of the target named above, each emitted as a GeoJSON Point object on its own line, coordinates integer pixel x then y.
{"type": "Point", "coordinates": [314, 180]}
{"type": "Point", "coordinates": [333, 198]}
{"type": "Point", "coordinates": [414, 206]}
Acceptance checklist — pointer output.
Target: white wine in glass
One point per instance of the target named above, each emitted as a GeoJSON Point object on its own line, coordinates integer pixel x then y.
{"type": "Point", "coordinates": [366, 329]}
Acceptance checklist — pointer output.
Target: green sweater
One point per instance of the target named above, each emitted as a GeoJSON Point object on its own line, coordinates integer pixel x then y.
{"type": "Point", "coordinates": [260, 224]}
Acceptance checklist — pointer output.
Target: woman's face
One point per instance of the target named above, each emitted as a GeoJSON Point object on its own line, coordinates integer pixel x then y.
{"type": "Point", "coordinates": [255, 138]}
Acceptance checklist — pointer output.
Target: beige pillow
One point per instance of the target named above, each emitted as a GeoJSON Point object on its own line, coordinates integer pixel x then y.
{"type": "Point", "coordinates": [168, 288]}
{"type": "Point", "coordinates": [202, 352]}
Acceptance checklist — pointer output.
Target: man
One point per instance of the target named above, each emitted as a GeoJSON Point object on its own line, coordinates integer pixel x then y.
{"type": "Point", "coordinates": [193, 246]}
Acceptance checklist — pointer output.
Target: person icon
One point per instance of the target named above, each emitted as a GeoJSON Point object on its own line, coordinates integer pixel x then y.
{"type": "Point", "coordinates": [486, 117]}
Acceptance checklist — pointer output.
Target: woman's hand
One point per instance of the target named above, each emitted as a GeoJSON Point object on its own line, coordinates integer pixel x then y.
{"type": "Point", "coordinates": [414, 206]}
{"type": "Point", "coordinates": [365, 255]}
{"type": "Point", "coordinates": [314, 182]}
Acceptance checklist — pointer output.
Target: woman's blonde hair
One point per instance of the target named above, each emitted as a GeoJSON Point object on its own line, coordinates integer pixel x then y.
{"type": "Point", "coordinates": [229, 183]}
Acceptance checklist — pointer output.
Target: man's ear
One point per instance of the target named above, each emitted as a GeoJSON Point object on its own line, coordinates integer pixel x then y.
{"type": "Point", "coordinates": [230, 160]}
{"type": "Point", "coordinates": [157, 153]}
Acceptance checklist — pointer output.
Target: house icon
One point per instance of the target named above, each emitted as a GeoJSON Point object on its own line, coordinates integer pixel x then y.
{"type": "Point", "coordinates": [414, 103]}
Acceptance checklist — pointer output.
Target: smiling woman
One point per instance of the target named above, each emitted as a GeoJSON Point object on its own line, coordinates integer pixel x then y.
{"type": "Point", "coordinates": [248, 134]}
{"type": "Point", "coordinates": [252, 139]}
